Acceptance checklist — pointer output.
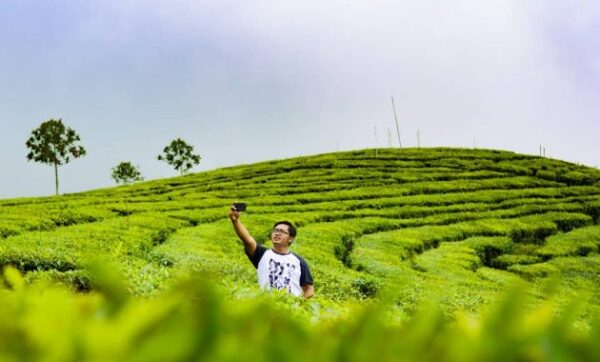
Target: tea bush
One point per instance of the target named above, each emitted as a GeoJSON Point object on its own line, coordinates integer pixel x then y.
{"type": "Point", "coordinates": [456, 226]}
{"type": "Point", "coordinates": [195, 321]}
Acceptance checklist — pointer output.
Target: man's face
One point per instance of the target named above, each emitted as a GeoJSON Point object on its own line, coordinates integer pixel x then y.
{"type": "Point", "coordinates": [281, 235]}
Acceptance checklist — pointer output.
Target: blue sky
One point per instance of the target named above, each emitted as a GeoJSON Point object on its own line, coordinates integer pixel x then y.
{"type": "Point", "coordinates": [256, 80]}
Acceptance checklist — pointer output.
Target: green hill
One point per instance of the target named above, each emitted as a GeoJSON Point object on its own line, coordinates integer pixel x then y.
{"type": "Point", "coordinates": [463, 223]}
{"type": "Point", "coordinates": [455, 228]}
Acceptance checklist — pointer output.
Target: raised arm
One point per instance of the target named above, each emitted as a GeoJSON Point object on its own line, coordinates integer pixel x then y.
{"type": "Point", "coordinates": [242, 232]}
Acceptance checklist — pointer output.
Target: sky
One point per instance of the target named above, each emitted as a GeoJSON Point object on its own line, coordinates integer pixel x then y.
{"type": "Point", "coordinates": [246, 81]}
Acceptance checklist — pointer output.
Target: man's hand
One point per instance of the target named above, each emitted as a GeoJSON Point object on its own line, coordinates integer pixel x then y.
{"type": "Point", "coordinates": [243, 234]}
{"type": "Point", "coordinates": [308, 290]}
{"type": "Point", "coordinates": [234, 215]}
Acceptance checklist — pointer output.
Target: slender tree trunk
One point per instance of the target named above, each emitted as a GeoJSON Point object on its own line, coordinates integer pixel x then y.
{"type": "Point", "coordinates": [56, 178]}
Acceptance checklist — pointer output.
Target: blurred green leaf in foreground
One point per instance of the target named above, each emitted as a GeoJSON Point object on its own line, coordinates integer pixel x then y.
{"type": "Point", "coordinates": [197, 321]}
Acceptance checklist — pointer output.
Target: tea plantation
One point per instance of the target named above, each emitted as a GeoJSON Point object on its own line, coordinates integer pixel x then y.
{"type": "Point", "coordinates": [417, 254]}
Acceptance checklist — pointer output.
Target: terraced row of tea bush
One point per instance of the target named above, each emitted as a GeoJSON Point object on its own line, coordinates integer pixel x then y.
{"type": "Point", "coordinates": [457, 225]}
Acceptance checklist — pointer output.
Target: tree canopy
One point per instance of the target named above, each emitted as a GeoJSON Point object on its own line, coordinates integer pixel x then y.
{"type": "Point", "coordinates": [125, 173]}
{"type": "Point", "coordinates": [53, 143]}
{"type": "Point", "coordinates": [180, 155]}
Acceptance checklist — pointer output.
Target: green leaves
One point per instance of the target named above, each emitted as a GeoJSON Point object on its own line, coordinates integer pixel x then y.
{"type": "Point", "coordinates": [198, 321]}
{"type": "Point", "coordinates": [438, 234]}
{"type": "Point", "coordinates": [180, 155]}
{"type": "Point", "coordinates": [125, 173]}
{"type": "Point", "coordinates": [53, 143]}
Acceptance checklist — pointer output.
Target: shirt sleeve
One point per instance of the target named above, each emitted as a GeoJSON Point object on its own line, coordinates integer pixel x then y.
{"type": "Point", "coordinates": [305, 275]}
{"type": "Point", "coordinates": [258, 254]}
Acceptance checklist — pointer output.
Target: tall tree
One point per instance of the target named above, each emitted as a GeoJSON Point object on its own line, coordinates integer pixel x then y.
{"type": "Point", "coordinates": [54, 144]}
{"type": "Point", "coordinates": [180, 155]}
{"type": "Point", "coordinates": [125, 173]}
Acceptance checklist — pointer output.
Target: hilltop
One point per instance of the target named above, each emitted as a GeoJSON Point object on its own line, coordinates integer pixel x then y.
{"type": "Point", "coordinates": [455, 224]}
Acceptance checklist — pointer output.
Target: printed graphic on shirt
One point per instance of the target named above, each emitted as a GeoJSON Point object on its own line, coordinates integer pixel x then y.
{"type": "Point", "coordinates": [280, 271]}
{"type": "Point", "coordinates": [280, 275]}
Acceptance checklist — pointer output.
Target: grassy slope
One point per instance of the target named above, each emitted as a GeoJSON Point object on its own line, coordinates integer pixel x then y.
{"type": "Point", "coordinates": [453, 224]}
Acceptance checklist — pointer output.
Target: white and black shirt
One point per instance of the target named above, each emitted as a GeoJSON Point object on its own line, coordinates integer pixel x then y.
{"type": "Point", "coordinates": [280, 271]}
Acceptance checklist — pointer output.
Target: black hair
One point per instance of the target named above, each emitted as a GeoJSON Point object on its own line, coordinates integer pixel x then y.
{"type": "Point", "coordinates": [291, 227]}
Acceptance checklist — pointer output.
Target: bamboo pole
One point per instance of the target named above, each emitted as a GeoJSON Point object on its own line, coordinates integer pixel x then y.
{"type": "Point", "coordinates": [396, 119]}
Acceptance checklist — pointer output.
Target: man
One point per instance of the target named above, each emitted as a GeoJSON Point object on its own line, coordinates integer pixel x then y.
{"type": "Point", "coordinates": [277, 268]}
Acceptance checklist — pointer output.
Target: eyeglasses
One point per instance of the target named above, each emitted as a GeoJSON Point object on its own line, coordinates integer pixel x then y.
{"type": "Point", "coordinates": [280, 231]}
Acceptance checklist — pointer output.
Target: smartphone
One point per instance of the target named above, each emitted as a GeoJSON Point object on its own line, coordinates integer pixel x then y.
{"type": "Point", "coordinates": [239, 206]}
